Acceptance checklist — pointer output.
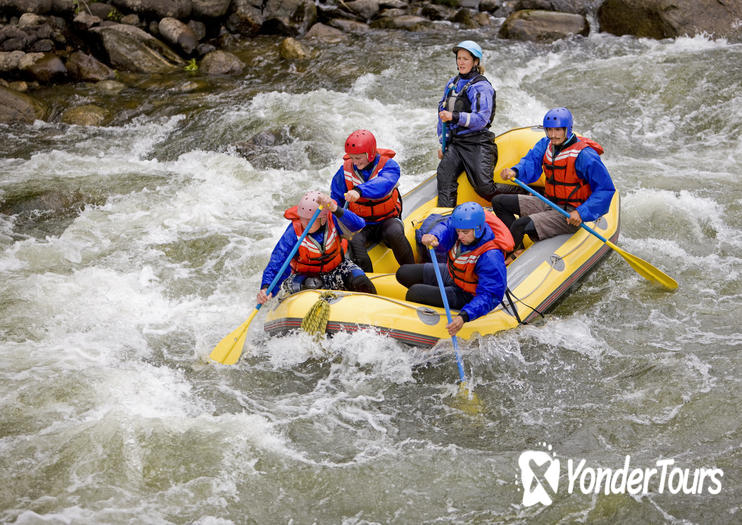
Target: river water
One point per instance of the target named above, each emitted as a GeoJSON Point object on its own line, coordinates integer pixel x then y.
{"type": "Point", "coordinates": [127, 252]}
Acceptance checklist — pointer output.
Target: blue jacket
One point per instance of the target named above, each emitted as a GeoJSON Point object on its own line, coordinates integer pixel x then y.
{"type": "Point", "coordinates": [589, 168]}
{"type": "Point", "coordinates": [348, 222]}
{"type": "Point", "coordinates": [375, 188]}
{"type": "Point", "coordinates": [481, 95]}
{"type": "Point", "coordinates": [490, 269]}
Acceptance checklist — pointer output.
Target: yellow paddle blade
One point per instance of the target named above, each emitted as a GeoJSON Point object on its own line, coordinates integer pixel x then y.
{"type": "Point", "coordinates": [645, 269]}
{"type": "Point", "coordinates": [229, 349]}
{"type": "Point", "coordinates": [467, 401]}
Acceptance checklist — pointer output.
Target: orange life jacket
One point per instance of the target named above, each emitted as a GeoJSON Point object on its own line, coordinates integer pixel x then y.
{"type": "Point", "coordinates": [503, 238]}
{"type": "Point", "coordinates": [313, 257]}
{"type": "Point", "coordinates": [461, 266]}
{"type": "Point", "coordinates": [372, 210]}
{"type": "Point", "coordinates": [563, 186]}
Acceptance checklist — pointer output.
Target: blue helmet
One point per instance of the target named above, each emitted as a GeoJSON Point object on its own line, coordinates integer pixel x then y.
{"type": "Point", "coordinates": [559, 118]}
{"type": "Point", "coordinates": [469, 216]}
{"type": "Point", "coordinates": [471, 46]}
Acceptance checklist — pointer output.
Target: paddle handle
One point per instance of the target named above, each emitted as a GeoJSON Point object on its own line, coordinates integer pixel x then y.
{"type": "Point", "coordinates": [444, 132]}
{"type": "Point", "coordinates": [444, 298]}
{"type": "Point", "coordinates": [557, 208]}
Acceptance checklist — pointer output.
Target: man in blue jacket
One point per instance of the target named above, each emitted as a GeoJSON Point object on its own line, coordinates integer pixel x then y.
{"type": "Point", "coordinates": [320, 261]}
{"type": "Point", "coordinates": [474, 276]}
{"type": "Point", "coordinates": [576, 180]}
{"type": "Point", "coordinates": [367, 181]}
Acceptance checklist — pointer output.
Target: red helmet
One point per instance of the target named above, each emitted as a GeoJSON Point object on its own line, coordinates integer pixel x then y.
{"type": "Point", "coordinates": [361, 141]}
{"type": "Point", "coordinates": [308, 204]}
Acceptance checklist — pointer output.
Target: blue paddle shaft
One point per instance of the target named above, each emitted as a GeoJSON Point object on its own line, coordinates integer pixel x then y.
{"type": "Point", "coordinates": [291, 255]}
{"type": "Point", "coordinates": [557, 208]}
{"type": "Point", "coordinates": [438, 277]}
{"type": "Point", "coordinates": [444, 128]}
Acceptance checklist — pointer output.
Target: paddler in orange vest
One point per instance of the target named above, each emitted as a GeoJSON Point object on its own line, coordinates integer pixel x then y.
{"type": "Point", "coordinates": [474, 276]}
{"type": "Point", "coordinates": [320, 261]}
{"type": "Point", "coordinates": [367, 181]}
{"type": "Point", "coordinates": [576, 180]}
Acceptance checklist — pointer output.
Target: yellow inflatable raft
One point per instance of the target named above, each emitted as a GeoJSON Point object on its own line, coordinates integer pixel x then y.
{"type": "Point", "coordinates": [537, 279]}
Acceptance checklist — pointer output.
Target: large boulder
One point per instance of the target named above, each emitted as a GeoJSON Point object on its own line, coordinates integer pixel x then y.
{"type": "Point", "coordinates": [156, 8]}
{"type": "Point", "coordinates": [221, 63]}
{"type": "Point", "coordinates": [48, 69]}
{"type": "Point", "coordinates": [285, 17]}
{"type": "Point", "coordinates": [178, 34]}
{"type": "Point", "coordinates": [18, 107]}
{"type": "Point", "coordinates": [246, 17]}
{"type": "Point", "coordinates": [579, 7]}
{"type": "Point", "coordinates": [543, 26]}
{"type": "Point", "coordinates": [210, 8]}
{"type": "Point", "coordinates": [85, 68]}
{"type": "Point", "coordinates": [26, 6]}
{"type": "Point", "coordinates": [131, 49]}
{"type": "Point", "coordinates": [671, 18]}
{"type": "Point", "coordinates": [86, 115]}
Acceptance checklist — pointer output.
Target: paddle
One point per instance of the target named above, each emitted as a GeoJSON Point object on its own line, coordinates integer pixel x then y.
{"type": "Point", "coordinates": [229, 349]}
{"type": "Point", "coordinates": [444, 128]}
{"type": "Point", "coordinates": [641, 266]}
{"type": "Point", "coordinates": [468, 400]}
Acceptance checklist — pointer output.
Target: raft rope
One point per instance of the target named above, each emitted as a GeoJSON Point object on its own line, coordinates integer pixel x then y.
{"type": "Point", "coordinates": [510, 295]}
{"type": "Point", "coordinates": [315, 320]}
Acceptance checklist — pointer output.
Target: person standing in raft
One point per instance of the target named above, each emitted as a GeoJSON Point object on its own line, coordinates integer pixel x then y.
{"type": "Point", "coordinates": [464, 116]}
{"type": "Point", "coordinates": [319, 262]}
{"type": "Point", "coordinates": [576, 180]}
{"type": "Point", "coordinates": [367, 181]}
{"type": "Point", "coordinates": [474, 277]}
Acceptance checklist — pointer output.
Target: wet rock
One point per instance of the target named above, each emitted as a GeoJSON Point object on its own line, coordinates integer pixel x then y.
{"type": "Point", "coordinates": [204, 49]}
{"type": "Point", "coordinates": [543, 26]}
{"type": "Point", "coordinates": [85, 20]}
{"type": "Point", "coordinates": [198, 28]}
{"type": "Point", "coordinates": [101, 9]}
{"type": "Point", "coordinates": [49, 68]}
{"type": "Point", "coordinates": [578, 7]}
{"type": "Point", "coordinates": [437, 12]}
{"type": "Point", "coordinates": [18, 107]}
{"type": "Point", "coordinates": [10, 61]}
{"type": "Point", "coordinates": [464, 18]}
{"type": "Point", "coordinates": [221, 63]}
{"type": "Point", "coordinates": [86, 115]}
{"type": "Point", "coordinates": [27, 6]}
{"type": "Point", "coordinates": [178, 34]}
{"type": "Point", "coordinates": [246, 17]}
{"type": "Point", "coordinates": [21, 86]}
{"type": "Point", "coordinates": [85, 68]}
{"type": "Point", "coordinates": [349, 26]}
{"type": "Point", "coordinates": [132, 20]}
{"type": "Point", "coordinates": [131, 49]}
{"type": "Point", "coordinates": [289, 17]}
{"type": "Point", "coordinates": [110, 86]}
{"type": "Point", "coordinates": [326, 34]}
{"type": "Point", "coordinates": [366, 9]}
{"type": "Point", "coordinates": [210, 8]}
{"type": "Point", "coordinates": [28, 20]}
{"type": "Point", "coordinates": [156, 8]}
{"type": "Point", "coordinates": [671, 18]}
{"type": "Point", "coordinates": [292, 49]}
{"type": "Point", "coordinates": [407, 22]}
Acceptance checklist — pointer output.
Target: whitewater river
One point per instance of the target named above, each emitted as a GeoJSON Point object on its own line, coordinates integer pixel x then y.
{"type": "Point", "coordinates": [127, 252]}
